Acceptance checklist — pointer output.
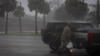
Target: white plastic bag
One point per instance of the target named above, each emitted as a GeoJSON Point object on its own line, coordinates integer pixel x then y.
{"type": "Point", "coordinates": [69, 45]}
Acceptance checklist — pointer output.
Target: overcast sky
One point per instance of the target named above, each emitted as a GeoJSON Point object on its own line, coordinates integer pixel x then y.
{"type": "Point", "coordinates": [25, 3]}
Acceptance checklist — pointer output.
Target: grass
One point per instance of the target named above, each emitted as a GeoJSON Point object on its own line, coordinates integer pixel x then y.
{"type": "Point", "coordinates": [21, 34]}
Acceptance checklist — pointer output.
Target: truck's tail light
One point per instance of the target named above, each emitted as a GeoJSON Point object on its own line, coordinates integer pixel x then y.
{"type": "Point", "coordinates": [91, 36]}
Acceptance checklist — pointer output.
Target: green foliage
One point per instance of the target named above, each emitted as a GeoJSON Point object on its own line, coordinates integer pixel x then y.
{"type": "Point", "coordinates": [45, 8]}
{"type": "Point", "coordinates": [93, 14]}
{"type": "Point", "coordinates": [19, 11]}
{"type": "Point", "coordinates": [76, 8]}
{"type": "Point", "coordinates": [9, 5]}
{"type": "Point", "coordinates": [35, 4]}
{"type": "Point", "coordinates": [62, 15]}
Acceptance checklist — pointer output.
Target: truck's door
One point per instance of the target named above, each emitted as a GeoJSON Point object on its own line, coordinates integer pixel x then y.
{"type": "Point", "coordinates": [80, 32]}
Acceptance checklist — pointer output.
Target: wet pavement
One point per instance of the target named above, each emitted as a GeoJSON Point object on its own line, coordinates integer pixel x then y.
{"type": "Point", "coordinates": [28, 46]}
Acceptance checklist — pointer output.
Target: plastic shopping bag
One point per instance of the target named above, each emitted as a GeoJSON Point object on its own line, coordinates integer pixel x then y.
{"type": "Point", "coordinates": [69, 45]}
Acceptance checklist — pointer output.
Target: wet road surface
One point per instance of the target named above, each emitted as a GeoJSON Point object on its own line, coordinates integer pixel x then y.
{"type": "Point", "coordinates": [28, 46]}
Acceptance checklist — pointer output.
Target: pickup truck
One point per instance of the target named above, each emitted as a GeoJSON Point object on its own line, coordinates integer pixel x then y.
{"type": "Point", "coordinates": [93, 42]}
{"type": "Point", "coordinates": [82, 35]}
{"type": "Point", "coordinates": [52, 33]}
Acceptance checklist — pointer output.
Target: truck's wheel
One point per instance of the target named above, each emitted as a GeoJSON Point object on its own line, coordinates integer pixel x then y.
{"type": "Point", "coordinates": [54, 44]}
{"type": "Point", "coordinates": [54, 48]}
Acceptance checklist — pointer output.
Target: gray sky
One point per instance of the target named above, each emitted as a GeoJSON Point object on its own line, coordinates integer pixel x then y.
{"type": "Point", "coordinates": [25, 3]}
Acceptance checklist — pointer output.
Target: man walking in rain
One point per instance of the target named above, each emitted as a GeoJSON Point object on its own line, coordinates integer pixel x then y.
{"type": "Point", "coordinates": [66, 36]}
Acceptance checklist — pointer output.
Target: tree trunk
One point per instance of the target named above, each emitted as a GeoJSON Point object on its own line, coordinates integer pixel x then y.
{"type": "Point", "coordinates": [97, 13]}
{"type": "Point", "coordinates": [6, 26]}
{"type": "Point", "coordinates": [44, 20]}
{"type": "Point", "coordinates": [20, 25]}
{"type": "Point", "coordinates": [36, 28]}
{"type": "Point", "coordinates": [83, 16]}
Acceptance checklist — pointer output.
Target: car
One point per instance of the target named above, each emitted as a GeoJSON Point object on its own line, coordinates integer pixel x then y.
{"type": "Point", "coordinates": [52, 33]}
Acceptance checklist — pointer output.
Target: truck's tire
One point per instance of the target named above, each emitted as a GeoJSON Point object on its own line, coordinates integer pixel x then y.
{"type": "Point", "coordinates": [54, 45]}
{"type": "Point", "coordinates": [54, 48]}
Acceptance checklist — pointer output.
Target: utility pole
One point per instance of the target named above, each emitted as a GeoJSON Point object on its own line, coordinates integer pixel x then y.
{"type": "Point", "coordinates": [98, 13]}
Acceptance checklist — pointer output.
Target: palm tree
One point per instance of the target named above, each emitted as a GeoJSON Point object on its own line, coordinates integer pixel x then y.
{"type": "Point", "coordinates": [8, 6]}
{"type": "Point", "coordinates": [34, 5]}
{"type": "Point", "coordinates": [19, 12]}
{"type": "Point", "coordinates": [44, 9]}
